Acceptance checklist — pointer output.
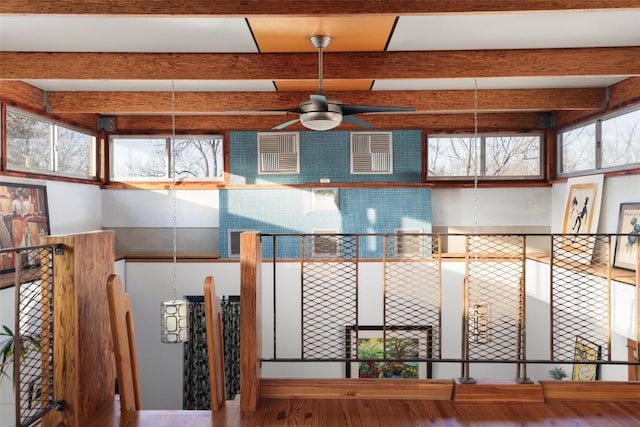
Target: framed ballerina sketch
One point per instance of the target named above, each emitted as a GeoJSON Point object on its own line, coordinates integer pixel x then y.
{"type": "Point", "coordinates": [581, 214]}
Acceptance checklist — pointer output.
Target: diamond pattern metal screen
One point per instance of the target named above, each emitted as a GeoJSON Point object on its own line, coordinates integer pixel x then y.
{"type": "Point", "coordinates": [412, 281]}
{"type": "Point", "coordinates": [495, 297]}
{"type": "Point", "coordinates": [336, 298]}
{"type": "Point", "coordinates": [329, 293]}
{"type": "Point", "coordinates": [34, 316]}
{"type": "Point", "coordinates": [580, 293]}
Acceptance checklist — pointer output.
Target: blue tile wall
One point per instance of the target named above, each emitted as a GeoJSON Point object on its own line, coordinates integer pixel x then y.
{"type": "Point", "coordinates": [325, 155]}
{"type": "Point", "coordinates": [362, 210]}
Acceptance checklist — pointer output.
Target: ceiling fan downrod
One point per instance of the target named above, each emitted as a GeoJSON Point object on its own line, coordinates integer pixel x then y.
{"type": "Point", "coordinates": [320, 42]}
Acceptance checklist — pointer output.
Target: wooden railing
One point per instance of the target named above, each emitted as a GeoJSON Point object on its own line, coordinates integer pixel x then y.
{"type": "Point", "coordinates": [254, 387]}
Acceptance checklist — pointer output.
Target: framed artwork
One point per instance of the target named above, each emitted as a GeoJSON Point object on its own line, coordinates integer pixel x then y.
{"type": "Point", "coordinates": [581, 214]}
{"type": "Point", "coordinates": [626, 252]}
{"type": "Point", "coordinates": [393, 351]}
{"type": "Point", "coordinates": [585, 352]}
{"type": "Point", "coordinates": [25, 218]}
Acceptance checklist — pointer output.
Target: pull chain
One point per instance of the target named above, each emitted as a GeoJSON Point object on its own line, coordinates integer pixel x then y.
{"type": "Point", "coordinates": [173, 190]}
{"type": "Point", "coordinates": [475, 149]}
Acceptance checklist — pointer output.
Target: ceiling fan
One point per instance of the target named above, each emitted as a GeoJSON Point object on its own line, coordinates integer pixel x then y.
{"type": "Point", "coordinates": [322, 113]}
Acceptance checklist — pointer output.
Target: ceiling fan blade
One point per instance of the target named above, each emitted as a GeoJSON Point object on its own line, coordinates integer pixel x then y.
{"type": "Point", "coordinates": [356, 121]}
{"type": "Point", "coordinates": [296, 110]}
{"type": "Point", "coordinates": [357, 109]}
{"type": "Point", "coordinates": [319, 100]}
{"type": "Point", "coordinates": [287, 123]}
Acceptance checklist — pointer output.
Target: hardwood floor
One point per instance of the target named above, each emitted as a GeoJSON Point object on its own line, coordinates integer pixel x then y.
{"type": "Point", "coordinates": [402, 413]}
{"type": "Point", "coordinates": [388, 413]}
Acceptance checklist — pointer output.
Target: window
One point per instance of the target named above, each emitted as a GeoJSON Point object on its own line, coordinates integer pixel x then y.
{"type": "Point", "coordinates": [142, 158]}
{"type": "Point", "coordinates": [278, 153]}
{"type": "Point", "coordinates": [326, 243]}
{"type": "Point", "coordinates": [621, 140]}
{"type": "Point", "coordinates": [36, 145]}
{"type": "Point", "coordinates": [578, 149]}
{"type": "Point", "coordinates": [371, 153]}
{"type": "Point", "coordinates": [611, 143]}
{"type": "Point", "coordinates": [488, 156]}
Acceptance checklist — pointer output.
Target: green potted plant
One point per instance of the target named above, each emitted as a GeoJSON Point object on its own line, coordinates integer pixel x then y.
{"type": "Point", "coordinates": [558, 373]}
{"type": "Point", "coordinates": [7, 351]}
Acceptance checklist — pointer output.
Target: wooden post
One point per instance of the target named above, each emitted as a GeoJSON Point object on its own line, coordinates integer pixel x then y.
{"type": "Point", "coordinates": [83, 374]}
{"type": "Point", "coordinates": [250, 320]}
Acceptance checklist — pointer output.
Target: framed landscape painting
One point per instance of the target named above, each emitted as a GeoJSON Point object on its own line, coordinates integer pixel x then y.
{"type": "Point", "coordinates": [25, 219]}
{"type": "Point", "coordinates": [626, 251]}
{"type": "Point", "coordinates": [393, 352]}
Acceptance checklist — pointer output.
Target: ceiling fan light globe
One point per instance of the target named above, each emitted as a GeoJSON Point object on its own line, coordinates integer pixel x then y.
{"type": "Point", "coordinates": [321, 120]}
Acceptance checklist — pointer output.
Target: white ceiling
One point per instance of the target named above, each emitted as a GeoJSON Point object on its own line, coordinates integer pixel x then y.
{"type": "Point", "coordinates": [530, 30]}
{"type": "Point", "coordinates": [82, 33]}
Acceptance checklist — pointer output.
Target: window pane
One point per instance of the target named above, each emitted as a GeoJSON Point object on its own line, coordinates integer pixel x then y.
{"type": "Point", "coordinates": [28, 142]}
{"type": "Point", "coordinates": [513, 155]}
{"type": "Point", "coordinates": [138, 158]}
{"type": "Point", "coordinates": [198, 157]}
{"type": "Point", "coordinates": [75, 152]}
{"type": "Point", "coordinates": [621, 140]}
{"type": "Point", "coordinates": [452, 156]}
{"type": "Point", "coordinates": [579, 149]}
{"type": "Point", "coordinates": [195, 157]}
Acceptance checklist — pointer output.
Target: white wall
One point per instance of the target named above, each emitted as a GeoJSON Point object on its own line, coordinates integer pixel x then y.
{"type": "Point", "coordinates": [74, 208]}
{"type": "Point", "coordinates": [154, 208]}
{"type": "Point", "coordinates": [502, 207]}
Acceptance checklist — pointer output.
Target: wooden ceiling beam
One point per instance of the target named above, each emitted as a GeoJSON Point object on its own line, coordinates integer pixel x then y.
{"type": "Point", "coordinates": [434, 123]}
{"type": "Point", "coordinates": [439, 101]}
{"type": "Point", "coordinates": [295, 66]}
{"type": "Point", "coordinates": [297, 7]}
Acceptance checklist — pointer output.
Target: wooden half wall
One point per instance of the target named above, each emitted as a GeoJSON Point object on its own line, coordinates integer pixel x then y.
{"type": "Point", "coordinates": [83, 360]}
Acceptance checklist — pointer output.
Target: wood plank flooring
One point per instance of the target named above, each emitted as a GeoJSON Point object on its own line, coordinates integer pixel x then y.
{"type": "Point", "coordinates": [387, 413]}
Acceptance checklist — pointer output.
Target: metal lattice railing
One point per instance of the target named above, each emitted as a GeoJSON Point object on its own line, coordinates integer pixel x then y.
{"type": "Point", "coordinates": [412, 290]}
{"type": "Point", "coordinates": [494, 298]}
{"type": "Point", "coordinates": [329, 293]}
{"type": "Point", "coordinates": [579, 297]}
{"type": "Point", "coordinates": [376, 299]}
{"type": "Point", "coordinates": [33, 369]}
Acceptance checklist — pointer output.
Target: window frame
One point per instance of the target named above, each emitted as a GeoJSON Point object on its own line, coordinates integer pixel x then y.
{"type": "Point", "coordinates": [482, 161]}
{"type": "Point", "coordinates": [53, 154]}
{"type": "Point", "coordinates": [597, 121]}
{"type": "Point", "coordinates": [167, 160]}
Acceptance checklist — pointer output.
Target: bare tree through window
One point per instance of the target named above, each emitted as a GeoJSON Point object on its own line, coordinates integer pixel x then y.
{"type": "Point", "coordinates": [487, 156]}
{"type": "Point", "coordinates": [36, 144]}
{"type": "Point", "coordinates": [192, 157]}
